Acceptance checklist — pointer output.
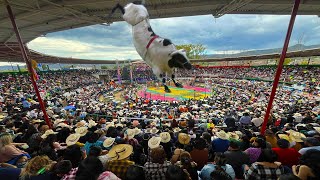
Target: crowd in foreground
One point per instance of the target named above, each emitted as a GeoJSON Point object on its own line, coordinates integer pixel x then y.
{"type": "Point", "coordinates": [214, 138]}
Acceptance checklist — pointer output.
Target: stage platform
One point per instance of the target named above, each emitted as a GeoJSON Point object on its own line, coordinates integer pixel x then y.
{"type": "Point", "coordinates": [177, 94]}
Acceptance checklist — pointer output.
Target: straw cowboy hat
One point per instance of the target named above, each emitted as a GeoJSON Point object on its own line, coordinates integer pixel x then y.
{"type": "Point", "coordinates": [154, 142]}
{"type": "Point", "coordinates": [119, 125]}
{"type": "Point", "coordinates": [108, 142]}
{"type": "Point", "coordinates": [72, 139]}
{"type": "Point", "coordinates": [284, 136]}
{"type": "Point", "coordinates": [233, 135]}
{"type": "Point", "coordinates": [36, 121]}
{"type": "Point", "coordinates": [222, 135]}
{"type": "Point", "coordinates": [296, 136]}
{"type": "Point", "coordinates": [47, 133]}
{"type": "Point", "coordinates": [184, 138]}
{"type": "Point", "coordinates": [239, 133]}
{"type": "Point", "coordinates": [82, 131]}
{"type": "Point", "coordinates": [92, 123]}
{"type": "Point", "coordinates": [57, 121]}
{"type": "Point", "coordinates": [130, 133]}
{"type": "Point", "coordinates": [165, 137]}
{"type": "Point", "coordinates": [137, 131]}
{"type": "Point", "coordinates": [154, 130]}
{"type": "Point", "coordinates": [120, 151]}
{"type": "Point", "coordinates": [317, 129]}
{"type": "Point", "coordinates": [81, 124]}
{"type": "Point", "coordinates": [177, 129]}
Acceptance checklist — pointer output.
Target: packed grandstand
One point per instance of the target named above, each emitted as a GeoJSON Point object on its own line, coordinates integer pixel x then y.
{"type": "Point", "coordinates": [120, 123]}
{"type": "Point", "coordinates": [105, 130]}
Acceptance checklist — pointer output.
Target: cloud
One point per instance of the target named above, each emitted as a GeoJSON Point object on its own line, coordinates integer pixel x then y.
{"type": "Point", "coordinates": [233, 33]}
{"type": "Point", "coordinates": [76, 49]}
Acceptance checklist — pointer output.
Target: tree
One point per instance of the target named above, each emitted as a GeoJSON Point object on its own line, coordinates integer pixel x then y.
{"type": "Point", "coordinates": [194, 51]}
{"type": "Point", "coordinates": [44, 67]}
{"type": "Point", "coordinates": [104, 67]}
{"type": "Point", "coordinates": [304, 62]}
{"type": "Point", "coordinates": [287, 61]}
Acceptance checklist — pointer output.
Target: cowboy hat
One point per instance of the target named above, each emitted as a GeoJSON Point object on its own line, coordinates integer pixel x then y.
{"type": "Point", "coordinates": [165, 137]}
{"type": "Point", "coordinates": [108, 142]}
{"type": "Point", "coordinates": [284, 136]}
{"type": "Point", "coordinates": [81, 124]}
{"type": "Point", "coordinates": [92, 123]}
{"type": "Point", "coordinates": [47, 133]}
{"type": "Point", "coordinates": [183, 138]}
{"type": "Point", "coordinates": [154, 142]}
{"type": "Point", "coordinates": [222, 135]}
{"type": "Point", "coordinates": [36, 121]}
{"type": "Point", "coordinates": [177, 129]}
{"type": "Point", "coordinates": [120, 151]}
{"type": "Point", "coordinates": [119, 125]}
{"type": "Point", "coordinates": [233, 135]}
{"type": "Point", "coordinates": [296, 136]}
{"type": "Point", "coordinates": [72, 139]}
{"type": "Point", "coordinates": [130, 133]}
{"type": "Point", "coordinates": [82, 131]}
{"type": "Point", "coordinates": [137, 131]}
{"type": "Point", "coordinates": [317, 129]}
{"type": "Point", "coordinates": [57, 121]}
{"type": "Point", "coordinates": [154, 130]}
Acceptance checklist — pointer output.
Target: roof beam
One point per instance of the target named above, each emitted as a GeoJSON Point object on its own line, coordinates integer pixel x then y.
{"type": "Point", "coordinates": [233, 5]}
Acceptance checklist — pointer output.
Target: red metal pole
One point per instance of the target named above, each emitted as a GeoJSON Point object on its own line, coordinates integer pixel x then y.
{"type": "Point", "coordinates": [26, 59]}
{"type": "Point", "coordinates": [280, 65]}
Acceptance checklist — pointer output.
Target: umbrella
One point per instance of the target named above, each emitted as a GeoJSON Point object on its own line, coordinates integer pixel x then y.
{"type": "Point", "coordinates": [69, 107]}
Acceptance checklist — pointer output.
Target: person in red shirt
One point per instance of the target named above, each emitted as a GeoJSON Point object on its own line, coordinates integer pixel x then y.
{"type": "Point", "coordinates": [287, 156]}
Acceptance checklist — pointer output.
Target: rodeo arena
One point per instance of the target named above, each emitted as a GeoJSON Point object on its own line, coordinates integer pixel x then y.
{"type": "Point", "coordinates": [164, 116]}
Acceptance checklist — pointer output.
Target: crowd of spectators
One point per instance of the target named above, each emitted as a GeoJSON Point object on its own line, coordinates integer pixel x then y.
{"type": "Point", "coordinates": [214, 138]}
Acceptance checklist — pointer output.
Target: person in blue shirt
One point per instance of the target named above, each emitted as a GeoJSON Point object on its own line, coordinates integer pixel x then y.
{"type": "Point", "coordinates": [221, 144]}
{"type": "Point", "coordinates": [219, 164]}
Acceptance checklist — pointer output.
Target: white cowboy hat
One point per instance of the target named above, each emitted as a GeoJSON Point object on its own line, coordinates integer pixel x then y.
{"type": "Point", "coordinates": [317, 129]}
{"type": "Point", "coordinates": [120, 151]}
{"type": "Point", "coordinates": [119, 125]}
{"type": "Point", "coordinates": [154, 130]}
{"type": "Point", "coordinates": [72, 139]}
{"type": "Point", "coordinates": [82, 131]}
{"type": "Point", "coordinates": [183, 138]}
{"type": "Point", "coordinates": [154, 142]}
{"type": "Point", "coordinates": [47, 133]}
{"type": "Point", "coordinates": [92, 123]}
{"type": "Point", "coordinates": [108, 142]}
{"type": "Point", "coordinates": [177, 129]}
{"type": "Point", "coordinates": [57, 121]}
{"type": "Point", "coordinates": [165, 137]}
{"type": "Point", "coordinates": [130, 133]}
{"type": "Point", "coordinates": [137, 131]}
{"type": "Point", "coordinates": [222, 135]}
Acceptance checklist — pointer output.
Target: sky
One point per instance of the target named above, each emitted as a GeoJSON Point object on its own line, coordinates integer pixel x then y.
{"type": "Point", "coordinates": [229, 33]}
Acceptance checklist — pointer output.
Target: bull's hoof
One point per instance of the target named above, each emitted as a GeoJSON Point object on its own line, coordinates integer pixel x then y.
{"type": "Point", "coordinates": [166, 89]}
{"type": "Point", "coordinates": [178, 85]}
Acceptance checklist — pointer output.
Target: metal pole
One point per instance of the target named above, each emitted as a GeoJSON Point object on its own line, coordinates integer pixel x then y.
{"type": "Point", "coordinates": [26, 59]}
{"type": "Point", "coordinates": [280, 65]}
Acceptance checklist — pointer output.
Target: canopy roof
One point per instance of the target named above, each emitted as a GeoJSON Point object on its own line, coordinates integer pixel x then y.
{"type": "Point", "coordinates": [38, 17]}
